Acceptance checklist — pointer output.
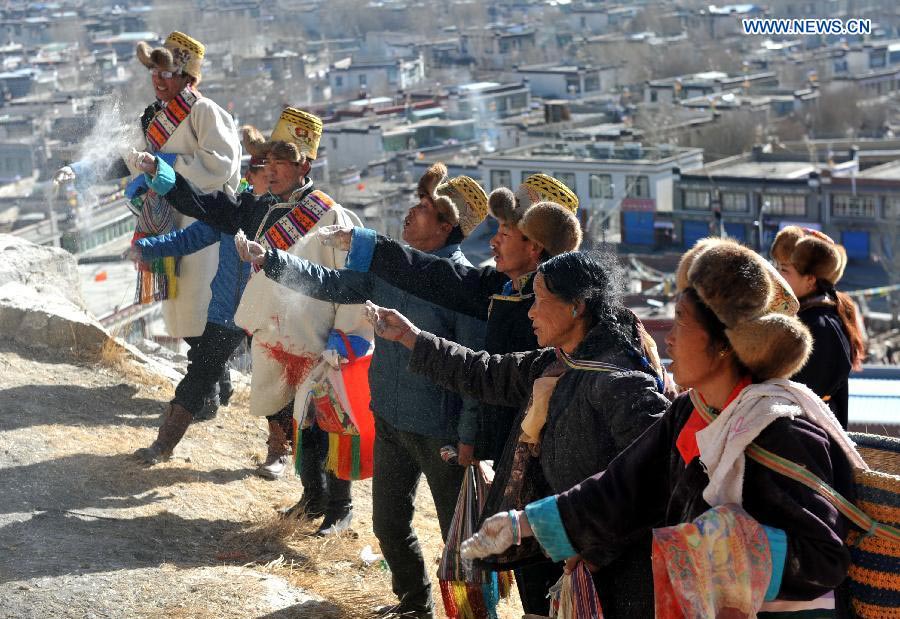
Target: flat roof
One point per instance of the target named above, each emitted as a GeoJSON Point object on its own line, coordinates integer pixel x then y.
{"type": "Point", "coordinates": [760, 169]}
{"type": "Point", "coordinates": [886, 171]}
{"type": "Point", "coordinates": [594, 151]}
{"type": "Point", "coordinates": [874, 401]}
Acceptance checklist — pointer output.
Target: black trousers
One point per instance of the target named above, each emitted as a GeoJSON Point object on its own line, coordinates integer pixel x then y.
{"type": "Point", "coordinates": [207, 356]}
{"type": "Point", "coordinates": [326, 491]}
{"type": "Point", "coordinates": [400, 459]}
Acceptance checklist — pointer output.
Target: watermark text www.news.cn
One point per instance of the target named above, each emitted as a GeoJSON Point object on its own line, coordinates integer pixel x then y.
{"type": "Point", "coordinates": [809, 26]}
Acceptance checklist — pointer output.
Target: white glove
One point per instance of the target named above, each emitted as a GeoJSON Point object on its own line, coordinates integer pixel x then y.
{"type": "Point", "coordinates": [249, 251]}
{"type": "Point", "coordinates": [144, 161]}
{"type": "Point", "coordinates": [495, 536]}
{"type": "Point", "coordinates": [333, 358]}
{"type": "Point", "coordinates": [64, 175]}
{"type": "Point", "coordinates": [338, 237]}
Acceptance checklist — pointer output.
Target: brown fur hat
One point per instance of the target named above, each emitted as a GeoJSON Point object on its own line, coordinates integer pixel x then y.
{"type": "Point", "coordinates": [255, 145]}
{"type": "Point", "coordinates": [553, 226]}
{"type": "Point", "coordinates": [753, 301]}
{"type": "Point", "coordinates": [810, 252]}
{"type": "Point", "coordinates": [178, 53]}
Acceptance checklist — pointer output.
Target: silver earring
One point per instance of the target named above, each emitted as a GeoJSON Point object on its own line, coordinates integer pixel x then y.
{"type": "Point", "coordinates": [574, 312]}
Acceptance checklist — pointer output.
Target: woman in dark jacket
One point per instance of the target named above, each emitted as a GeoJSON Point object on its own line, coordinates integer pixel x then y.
{"type": "Point", "coordinates": [582, 400]}
{"type": "Point", "coordinates": [734, 327]}
{"type": "Point", "coordinates": [812, 263]}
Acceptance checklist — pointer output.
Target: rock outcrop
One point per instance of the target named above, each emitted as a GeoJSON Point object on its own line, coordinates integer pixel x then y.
{"type": "Point", "coordinates": [40, 300]}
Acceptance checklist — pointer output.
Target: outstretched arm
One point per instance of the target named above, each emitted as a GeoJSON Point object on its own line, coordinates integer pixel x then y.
{"type": "Point", "coordinates": [503, 380]}
{"type": "Point", "coordinates": [441, 281]}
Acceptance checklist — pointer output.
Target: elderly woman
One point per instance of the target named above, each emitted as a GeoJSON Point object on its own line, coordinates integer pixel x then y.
{"type": "Point", "coordinates": [734, 327]}
{"type": "Point", "coordinates": [812, 263]}
{"type": "Point", "coordinates": [582, 399]}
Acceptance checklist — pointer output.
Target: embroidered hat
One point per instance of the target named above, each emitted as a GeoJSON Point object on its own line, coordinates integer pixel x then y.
{"type": "Point", "coordinates": [301, 128]}
{"type": "Point", "coordinates": [179, 53]}
{"type": "Point", "coordinates": [810, 252]}
{"type": "Point", "coordinates": [511, 207]}
{"type": "Point", "coordinates": [460, 200]}
{"type": "Point", "coordinates": [753, 301]}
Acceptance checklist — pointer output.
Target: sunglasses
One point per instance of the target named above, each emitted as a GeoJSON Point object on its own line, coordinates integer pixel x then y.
{"type": "Point", "coordinates": [166, 75]}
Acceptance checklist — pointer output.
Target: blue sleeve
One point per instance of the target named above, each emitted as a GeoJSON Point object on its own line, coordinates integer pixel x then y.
{"type": "Point", "coordinates": [180, 242]}
{"type": "Point", "coordinates": [164, 180]}
{"type": "Point", "coordinates": [778, 550]}
{"type": "Point", "coordinates": [360, 345]}
{"type": "Point", "coordinates": [340, 286]}
{"type": "Point", "coordinates": [362, 248]}
{"type": "Point", "coordinates": [546, 523]}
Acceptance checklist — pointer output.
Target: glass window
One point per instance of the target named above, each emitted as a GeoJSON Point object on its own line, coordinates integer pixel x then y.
{"type": "Point", "coordinates": [601, 186]}
{"type": "Point", "coordinates": [892, 208]}
{"type": "Point", "coordinates": [735, 202]}
{"type": "Point", "coordinates": [500, 178]}
{"type": "Point", "coordinates": [784, 204]}
{"type": "Point", "coordinates": [847, 205]}
{"type": "Point", "coordinates": [568, 178]}
{"type": "Point", "coordinates": [637, 186]}
{"type": "Point", "coordinates": [696, 200]}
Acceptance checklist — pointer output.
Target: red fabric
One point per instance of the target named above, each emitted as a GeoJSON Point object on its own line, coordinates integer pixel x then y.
{"type": "Point", "coordinates": [356, 382]}
{"type": "Point", "coordinates": [687, 438]}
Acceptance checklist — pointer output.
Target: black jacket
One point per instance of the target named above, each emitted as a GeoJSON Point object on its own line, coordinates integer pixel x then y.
{"type": "Point", "coordinates": [480, 292]}
{"type": "Point", "coordinates": [828, 368]}
{"type": "Point", "coordinates": [592, 416]}
{"type": "Point", "coordinates": [650, 486]}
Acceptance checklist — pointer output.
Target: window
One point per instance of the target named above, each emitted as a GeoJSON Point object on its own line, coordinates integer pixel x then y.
{"type": "Point", "coordinates": [784, 204]}
{"type": "Point", "coordinates": [892, 208]}
{"type": "Point", "coordinates": [601, 186]}
{"type": "Point", "coordinates": [362, 79]}
{"type": "Point", "coordinates": [637, 186]}
{"type": "Point", "coordinates": [338, 81]}
{"type": "Point", "coordinates": [568, 179]}
{"type": "Point", "coordinates": [696, 200]}
{"type": "Point", "coordinates": [527, 173]}
{"type": "Point", "coordinates": [847, 205]}
{"type": "Point", "coordinates": [500, 178]}
{"type": "Point", "coordinates": [334, 143]}
{"type": "Point", "coordinates": [735, 202]}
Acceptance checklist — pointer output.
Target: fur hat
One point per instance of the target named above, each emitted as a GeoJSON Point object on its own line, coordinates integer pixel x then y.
{"type": "Point", "coordinates": [810, 252]}
{"type": "Point", "coordinates": [460, 200]}
{"type": "Point", "coordinates": [301, 128]}
{"type": "Point", "coordinates": [553, 226]}
{"type": "Point", "coordinates": [753, 301]}
{"type": "Point", "coordinates": [179, 52]}
{"type": "Point", "coordinates": [510, 208]}
{"type": "Point", "coordinates": [255, 145]}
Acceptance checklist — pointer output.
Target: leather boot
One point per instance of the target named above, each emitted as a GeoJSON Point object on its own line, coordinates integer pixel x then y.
{"type": "Point", "coordinates": [174, 425]}
{"type": "Point", "coordinates": [278, 458]}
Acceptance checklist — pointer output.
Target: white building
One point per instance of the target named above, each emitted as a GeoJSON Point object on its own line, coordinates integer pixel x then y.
{"type": "Point", "coordinates": [569, 81]}
{"type": "Point", "coordinates": [608, 178]}
{"type": "Point", "coordinates": [354, 79]}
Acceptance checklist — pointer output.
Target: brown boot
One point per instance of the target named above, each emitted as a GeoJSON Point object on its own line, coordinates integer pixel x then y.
{"type": "Point", "coordinates": [174, 425]}
{"type": "Point", "coordinates": [280, 444]}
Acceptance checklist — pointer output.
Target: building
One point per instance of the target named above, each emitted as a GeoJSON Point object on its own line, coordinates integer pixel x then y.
{"type": "Point", "coordinates": [348, 78]}
{"type": "Point", "coordinates": [498, 47]}
{"type": "Point", "coordinates": [673, 89]}
{"type": "Point", "coordinates": [359, 143]}
{"type": "Point", "coordinates": [569, 81]}
{"type": "Point", "coordinates": [619, 186]}
{"type": "Point", "coordinates": [750, 197]}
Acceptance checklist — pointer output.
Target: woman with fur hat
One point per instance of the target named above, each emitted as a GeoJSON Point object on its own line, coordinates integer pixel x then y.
{"type": "Point", "coordinates": [730, 536]}
{"type": "Point", "coordinates": [580, 400]}
{"type": "Point", "coordinates": [812, 263]}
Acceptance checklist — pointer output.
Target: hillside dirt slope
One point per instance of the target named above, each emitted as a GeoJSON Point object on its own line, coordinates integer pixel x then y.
{"type": "Point", "coordinates": [86, 532]}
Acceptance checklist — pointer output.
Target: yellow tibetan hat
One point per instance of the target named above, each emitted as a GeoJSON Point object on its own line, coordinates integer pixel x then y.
{"type": "Point", "coordinates": [300, 128]}
{"type": "Point", "coordinates": [511, 207]}
{"type": "Point", "coordinates": [461, 200]}
{"type": "Point", "coordinates": [179, 52]}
